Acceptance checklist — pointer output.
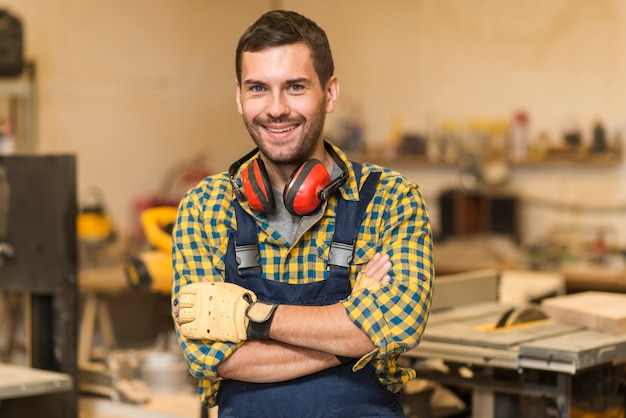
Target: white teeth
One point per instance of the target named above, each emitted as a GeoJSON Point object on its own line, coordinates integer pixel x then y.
{"type": "Point", "coordinates": [280, 131]}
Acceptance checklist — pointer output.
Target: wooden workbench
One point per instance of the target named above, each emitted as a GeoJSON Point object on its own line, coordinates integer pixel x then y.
{"type": "Point", "coordinates": [20, 381]}
{"type": "Point", "coordinates": [591, 277]}
{"type": "Point", "coordinates": [481, 253]}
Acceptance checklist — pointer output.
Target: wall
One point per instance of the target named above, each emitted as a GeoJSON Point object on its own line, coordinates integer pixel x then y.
{"type": "Point", "coordinates": [560, 60]}
{"type": "Point", "coordinates": [135, 87]}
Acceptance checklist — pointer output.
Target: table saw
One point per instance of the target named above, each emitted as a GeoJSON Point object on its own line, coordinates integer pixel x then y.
{"type": "Point", "coordinates": [526, 368]}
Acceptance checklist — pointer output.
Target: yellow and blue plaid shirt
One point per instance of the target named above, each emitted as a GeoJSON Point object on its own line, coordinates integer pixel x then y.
{"type": "Point", "coordinates": [396, 223]}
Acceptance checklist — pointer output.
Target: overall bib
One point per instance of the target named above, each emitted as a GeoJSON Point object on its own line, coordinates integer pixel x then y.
{"type": "Point", "coordinates": [335, 392]}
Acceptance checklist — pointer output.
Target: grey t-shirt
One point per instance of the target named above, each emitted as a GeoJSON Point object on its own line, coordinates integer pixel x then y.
{"type": "Point", "coordinates": [290, 226]}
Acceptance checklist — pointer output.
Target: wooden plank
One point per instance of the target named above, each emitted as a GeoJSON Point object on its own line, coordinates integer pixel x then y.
{"type": "Point", "coordinates": [602, 311]}
{"type": "Point", "coordinates": [466, 288]}
{"type": "Point", "coordinates": [19, 381]}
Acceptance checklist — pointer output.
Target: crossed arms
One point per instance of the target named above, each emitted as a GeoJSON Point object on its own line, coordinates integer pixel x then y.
{"type": "Point", "coordinates": [382, 323]}
{"type": "Point", "coordinates": [302, 339]}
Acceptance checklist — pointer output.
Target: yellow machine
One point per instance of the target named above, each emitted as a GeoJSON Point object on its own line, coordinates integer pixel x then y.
{"type": "Point", "coordinates": [95, 230]}
{"type": "Point", "coordinates": [152, 269]}
{"type": "Point", "coordinates": [93, 225]}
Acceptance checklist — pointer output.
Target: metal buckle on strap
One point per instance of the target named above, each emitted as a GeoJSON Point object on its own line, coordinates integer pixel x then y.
{"type": "Point", "coordinates": [247, 256]}
{"type": "Point", "coordinates": [340, 254]}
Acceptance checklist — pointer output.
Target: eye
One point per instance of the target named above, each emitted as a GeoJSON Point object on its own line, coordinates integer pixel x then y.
{"type": "Point", "coordinates": [257, 89]}
{"type": "Point", "coordinates": [296, 88]}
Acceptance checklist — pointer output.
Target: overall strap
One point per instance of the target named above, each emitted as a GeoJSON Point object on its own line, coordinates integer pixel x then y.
{"type": "Point", "coordinates": [348, 220]}
{"type": "Point", "coordinates": [246, 238]}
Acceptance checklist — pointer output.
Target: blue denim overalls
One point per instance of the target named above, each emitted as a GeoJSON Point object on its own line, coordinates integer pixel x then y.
{"type": "Point", "coordinates": [335, 392]}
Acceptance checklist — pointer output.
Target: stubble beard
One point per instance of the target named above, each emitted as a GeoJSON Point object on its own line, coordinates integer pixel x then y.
{"type": "Point", "coordinates": [305, 145]}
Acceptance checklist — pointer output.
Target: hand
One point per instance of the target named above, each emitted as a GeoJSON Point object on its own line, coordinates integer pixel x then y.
{"type": "Point", "coordinates": [372, 277]}
{"type": "Point", "coordinates": [374, 274]}
{"type": "Point", "coordinates": [221, 311]}
{"type": "Point", "coordinates": [176, 305]}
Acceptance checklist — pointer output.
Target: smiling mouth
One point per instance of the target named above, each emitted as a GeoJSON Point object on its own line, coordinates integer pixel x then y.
{"type": "Point", "coordinates": [281, 130]}
{"type": "Point", "coordinates": [279, 126]}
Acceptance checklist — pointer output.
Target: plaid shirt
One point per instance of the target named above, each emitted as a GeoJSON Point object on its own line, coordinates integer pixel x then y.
{"type": "Point", "coordinates": [396, 223]}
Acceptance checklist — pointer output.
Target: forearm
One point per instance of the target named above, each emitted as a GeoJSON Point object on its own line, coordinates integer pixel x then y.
{"type": "Point", "coordinates": [328, 328]}
{"type": "Point", "coordinates": [321, 328]}
{"type": "Point", "coordinates": [273, 361]}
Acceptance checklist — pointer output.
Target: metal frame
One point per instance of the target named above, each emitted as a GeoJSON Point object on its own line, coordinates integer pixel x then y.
{"type": "Point", "coordinates": [521, 371]}
{"type": "Point", "coordinates": [43, 265]}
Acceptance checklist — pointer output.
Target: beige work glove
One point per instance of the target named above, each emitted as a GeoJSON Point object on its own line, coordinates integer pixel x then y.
{"type": "Point", "coordinates": [219, 311]}
{"type": "Point", "coordinates": [365, 281]}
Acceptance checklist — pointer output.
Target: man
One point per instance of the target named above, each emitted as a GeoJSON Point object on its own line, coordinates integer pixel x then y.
{"type": "Point", "coordinates": [299, 276]}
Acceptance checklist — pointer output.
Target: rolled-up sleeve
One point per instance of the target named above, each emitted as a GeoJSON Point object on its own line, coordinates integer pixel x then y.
{"type": "Point", "coordinates": [395, 316]}
{"type": "Point", "coordinates": [192, 259]}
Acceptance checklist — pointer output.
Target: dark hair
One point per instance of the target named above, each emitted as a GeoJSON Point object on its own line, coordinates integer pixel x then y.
{"type": "Point", "coordinates": [281, 27]}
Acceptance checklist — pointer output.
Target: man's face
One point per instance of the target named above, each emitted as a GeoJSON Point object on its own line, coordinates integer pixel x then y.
{"type": "Point", "coordinates": [283, 104]}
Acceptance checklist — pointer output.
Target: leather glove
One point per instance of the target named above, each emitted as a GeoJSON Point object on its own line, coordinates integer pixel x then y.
{"type": "Point", "coordinates": [219, 311]}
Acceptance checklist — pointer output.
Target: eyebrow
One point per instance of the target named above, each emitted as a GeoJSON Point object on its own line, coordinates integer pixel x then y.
{"type": "Point", "coordinates": [299, 80]}
{"type": "Point", "coordinates": [254, 82]}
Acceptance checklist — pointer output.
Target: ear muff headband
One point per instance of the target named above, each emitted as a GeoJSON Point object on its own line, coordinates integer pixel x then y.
{"type": "Point", "coordinates": [232, 173]}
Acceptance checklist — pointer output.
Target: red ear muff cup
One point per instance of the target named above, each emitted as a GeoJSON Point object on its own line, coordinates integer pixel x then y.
{"type": "Point", "coordinates": [302, 192]}
{"type": "Point", "coordinates": [256, 186]}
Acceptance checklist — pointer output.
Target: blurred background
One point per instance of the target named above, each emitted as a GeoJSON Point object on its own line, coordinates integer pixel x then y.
{"type": "Point", "coordinates": [137, 88]}
{"type": "Point", "coordinates": [511, 116]}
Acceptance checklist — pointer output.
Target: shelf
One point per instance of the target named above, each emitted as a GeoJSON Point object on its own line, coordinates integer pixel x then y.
{"type": "Point", "coordinates": [18, 96]}
{"type": "Point", "coordinates": [599, 160]}
{"type": "Point", "coordinates": [412, 160]}
{"type": "Point", "coordinates": [591, 160]}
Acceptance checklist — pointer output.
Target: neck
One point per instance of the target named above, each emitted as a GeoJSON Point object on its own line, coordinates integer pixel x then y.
{"type": "Point", "coordinates": [279, 174]}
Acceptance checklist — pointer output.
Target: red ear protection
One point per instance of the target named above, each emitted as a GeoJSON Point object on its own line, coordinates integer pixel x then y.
{"type": "Point", "coordinates": [302, 192]}
{"type": "Point", "coordinates": [309, 185]}
{"type": "Point", "coordinates": [257, 188]}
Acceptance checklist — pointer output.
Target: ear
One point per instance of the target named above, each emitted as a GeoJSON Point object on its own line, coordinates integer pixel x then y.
{"type": "Point", "coordinates": [238, 97]}
{"type": "Point", "coordinates": [332, 94]}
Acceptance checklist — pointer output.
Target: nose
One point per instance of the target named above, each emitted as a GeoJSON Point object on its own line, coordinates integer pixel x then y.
{"type": "Point", "coordinates": [278, 105]}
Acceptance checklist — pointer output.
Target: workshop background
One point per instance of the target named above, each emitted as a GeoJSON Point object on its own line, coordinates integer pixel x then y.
{"type": "Point", "coordinates": [510, 116]}
{"type": "Point", "coordinates": [135, 87]}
